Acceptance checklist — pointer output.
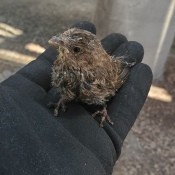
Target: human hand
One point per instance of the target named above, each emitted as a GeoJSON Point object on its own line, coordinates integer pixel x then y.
{"type": "Point", "coordinates": [35, 142]}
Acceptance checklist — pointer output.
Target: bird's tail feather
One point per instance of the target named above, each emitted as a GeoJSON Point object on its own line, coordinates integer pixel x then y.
{"type": "Point", "coordinates": [124, 73]}
{"type": "Point", "coordinates": [126, 64]}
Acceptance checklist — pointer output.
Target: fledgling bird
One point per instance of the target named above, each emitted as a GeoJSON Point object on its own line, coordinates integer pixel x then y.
{"type": "Point", "coordinates": [83, 71]}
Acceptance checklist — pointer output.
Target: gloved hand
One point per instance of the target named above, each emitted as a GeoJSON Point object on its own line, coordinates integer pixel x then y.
{"type": "Point", "coordinates": [33, 141]}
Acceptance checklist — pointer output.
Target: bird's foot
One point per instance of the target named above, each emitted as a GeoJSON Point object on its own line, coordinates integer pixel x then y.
{"type": "Point", "coordinates": [104, 116]}
{"type": "Point", "coordinates": [57, 106]}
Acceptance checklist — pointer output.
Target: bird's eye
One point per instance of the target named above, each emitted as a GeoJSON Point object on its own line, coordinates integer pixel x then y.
{"type": "Point", "coordinates": [76, 49]}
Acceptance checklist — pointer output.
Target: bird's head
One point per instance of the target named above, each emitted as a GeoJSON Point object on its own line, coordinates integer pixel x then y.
{"type": "Point", "coordinates": [76, 44]}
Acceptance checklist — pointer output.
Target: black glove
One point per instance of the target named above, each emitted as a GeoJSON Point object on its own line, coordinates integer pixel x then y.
{"type": "Point", "coordinates": [33, 141]}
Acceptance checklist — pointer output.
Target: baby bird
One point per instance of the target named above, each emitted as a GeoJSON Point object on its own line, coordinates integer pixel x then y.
{"type": "Point", "coordinates": [84, 72]}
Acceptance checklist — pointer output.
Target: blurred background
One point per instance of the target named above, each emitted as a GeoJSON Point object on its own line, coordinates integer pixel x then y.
{"type": "Point", "coordinates": [26, 26]}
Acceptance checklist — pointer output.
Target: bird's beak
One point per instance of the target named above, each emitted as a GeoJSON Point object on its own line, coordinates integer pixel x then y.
{"type": "Point", "coordinates": [55, 41]}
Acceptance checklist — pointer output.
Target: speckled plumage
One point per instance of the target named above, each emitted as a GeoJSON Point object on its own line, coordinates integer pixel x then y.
{"type": "Point", "coordinates": [83, 71]}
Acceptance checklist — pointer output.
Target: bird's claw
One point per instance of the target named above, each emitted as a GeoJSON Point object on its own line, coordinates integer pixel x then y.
{"type": "Point", "coordinates": [57, 106]}
{"type": "Point", "coordinates": [55, 112]}
{"type": "Point", "coordinates": [96, 113]}
{"type": "Point", "coordinates": [104, 117]}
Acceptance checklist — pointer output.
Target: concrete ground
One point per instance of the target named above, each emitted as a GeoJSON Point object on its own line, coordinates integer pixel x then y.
{"type": "Point", "coordinates": [26, 26]}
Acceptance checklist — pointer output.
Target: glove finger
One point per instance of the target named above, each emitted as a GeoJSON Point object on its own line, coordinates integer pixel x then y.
{"type": "Point", "coordinates": [85, 25]}
{"type": "Point", "coordinates": [131, 51]}
{"type": "Point", "coordinates": [126, 105]}
{"type": "Point", "coordinates": [39, 70]}
{"type": "Point", "coordinates": [111, 42]}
